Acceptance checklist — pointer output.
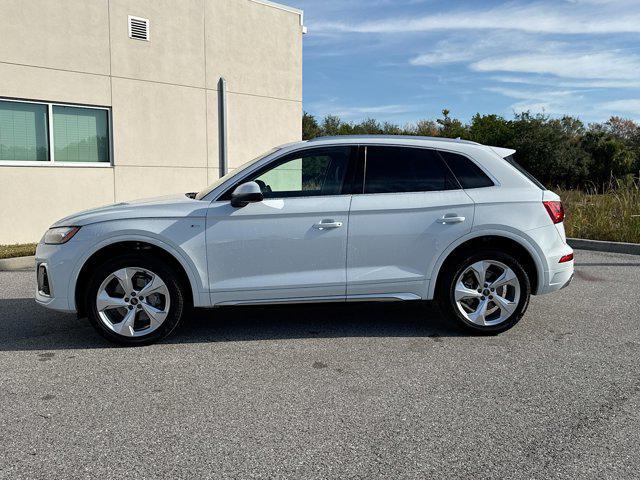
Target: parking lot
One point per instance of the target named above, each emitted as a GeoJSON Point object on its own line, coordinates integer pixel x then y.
{"type": "Point", "coordinates": [330, 391]}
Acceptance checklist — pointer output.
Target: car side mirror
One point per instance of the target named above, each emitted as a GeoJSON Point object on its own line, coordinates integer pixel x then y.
{"type": "Point", "coordinates": [245, 194]}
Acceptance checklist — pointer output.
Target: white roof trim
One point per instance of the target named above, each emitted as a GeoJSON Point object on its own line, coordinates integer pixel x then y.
{"type": "Point", "coordinates": [280, 6]}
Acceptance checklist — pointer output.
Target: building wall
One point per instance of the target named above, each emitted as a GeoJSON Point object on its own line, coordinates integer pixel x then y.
{"type": "Point", "coordinates": [162, 94]}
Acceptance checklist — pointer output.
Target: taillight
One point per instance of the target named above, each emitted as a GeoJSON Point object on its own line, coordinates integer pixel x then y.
{"type": "Point", "coordinates": [566, 258]}
{"type": "Point", "coordinates": [555, 211]}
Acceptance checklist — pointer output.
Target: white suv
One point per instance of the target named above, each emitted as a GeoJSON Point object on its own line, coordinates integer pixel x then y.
{"type": "Point", "coordinates": [328, 220]}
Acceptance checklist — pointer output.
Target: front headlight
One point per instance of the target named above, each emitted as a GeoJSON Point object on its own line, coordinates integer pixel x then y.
{"type": "Point", "coordinates": [59, 235]}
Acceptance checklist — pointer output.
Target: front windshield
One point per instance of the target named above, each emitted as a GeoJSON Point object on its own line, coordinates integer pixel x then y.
{"type": "Point", "coordinates": [223, 179]}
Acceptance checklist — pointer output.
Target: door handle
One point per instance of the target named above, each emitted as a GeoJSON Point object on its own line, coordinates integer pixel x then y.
{"type": "Point", "coordinates": [451, 218]}
{"type": "Point", "coordinates": [327, 224]}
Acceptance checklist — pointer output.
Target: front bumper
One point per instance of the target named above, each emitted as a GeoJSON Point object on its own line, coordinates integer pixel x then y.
{"type": "Point", "coordinates": [57, 263]}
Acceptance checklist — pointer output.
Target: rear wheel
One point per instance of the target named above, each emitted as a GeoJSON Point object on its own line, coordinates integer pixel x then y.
{"type": "Point", "coordinates": [135, 299]}
{"type": "Point", "coordinates": [486, 293]}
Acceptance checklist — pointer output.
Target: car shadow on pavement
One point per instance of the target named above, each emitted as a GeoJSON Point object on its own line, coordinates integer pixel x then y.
{"type": "Point", "coordinates": [27, 326]}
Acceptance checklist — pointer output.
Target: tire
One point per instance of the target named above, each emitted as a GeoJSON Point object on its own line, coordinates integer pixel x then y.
{"type": "Point", "coordinates": [145, 320]}
{"type": "Point", "coordinates": [463, 304]}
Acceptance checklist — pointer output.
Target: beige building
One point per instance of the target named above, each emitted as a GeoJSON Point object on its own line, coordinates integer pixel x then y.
{"type": "Point", "coordinates": [104, 101]}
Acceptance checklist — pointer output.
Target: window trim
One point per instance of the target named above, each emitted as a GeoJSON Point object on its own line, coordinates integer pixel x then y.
{"type": "Point", "coordinates": [52, 162]}
{"type": "Point", "coordinates": [347, 187]}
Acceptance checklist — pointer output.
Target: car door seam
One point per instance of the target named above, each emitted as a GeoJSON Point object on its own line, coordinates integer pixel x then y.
{"type": "Point", "coordinates": [346, 253]}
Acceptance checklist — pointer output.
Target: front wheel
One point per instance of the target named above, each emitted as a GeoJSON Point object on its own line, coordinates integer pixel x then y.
{"type": "Point", "coordinates": [135, 299]}
{"type": "Point", "coordinates": [486, 293]}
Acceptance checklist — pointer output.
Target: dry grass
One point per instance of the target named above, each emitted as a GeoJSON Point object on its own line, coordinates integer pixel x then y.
{"type": "Point", "coordinates": [613, 215]}
{"type": "Point", "coordinates": [23, 250]}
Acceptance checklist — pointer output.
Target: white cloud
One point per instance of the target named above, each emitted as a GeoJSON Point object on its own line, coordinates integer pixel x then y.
{"type": "Point", "coordinates": [470, 46]}
{"type": "Point", "coordinates": [605, 65]}
{"type": "Point", "coordinates": [438, 58]}
{"type": "Point", "coordinates": [536, 107]}
{"type": "Point", "coordinates": [547, 101]}
{"type": "Point", "coordinates": [535, 18]}
{"type": "Point", "coordinates": [378, 109]}
{"type": "Point", "coordinates": [569, 83]}
{"type": "Point", "coordinates": [332, 107]}
{"type": "Point", "coordinates": [533, 94]}
{"type": "Point", "coordinates": [631, 105]}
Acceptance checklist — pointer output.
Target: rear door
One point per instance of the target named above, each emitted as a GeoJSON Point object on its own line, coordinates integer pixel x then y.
{"type": "Point", "coordinates": [410, 209]}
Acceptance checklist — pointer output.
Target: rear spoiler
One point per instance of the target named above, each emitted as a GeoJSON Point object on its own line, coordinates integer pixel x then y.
{"type": "Point", "coordinates": [503, 152]}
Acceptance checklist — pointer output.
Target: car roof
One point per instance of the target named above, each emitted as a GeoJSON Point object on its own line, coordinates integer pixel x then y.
{"type": "Point", "coordinates": [454, 144]}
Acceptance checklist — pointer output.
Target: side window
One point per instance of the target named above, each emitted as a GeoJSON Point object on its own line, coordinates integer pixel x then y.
{"type": "Point", "coordinates": [468, 173]}
{"type": "Point", "coordinates": [403, 169]}
{"type": "Point", "coordinates": [305, 174]}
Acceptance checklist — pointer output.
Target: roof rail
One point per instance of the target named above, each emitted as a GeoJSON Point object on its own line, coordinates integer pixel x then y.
{"type": "Point", "coordinates": [392, 137]}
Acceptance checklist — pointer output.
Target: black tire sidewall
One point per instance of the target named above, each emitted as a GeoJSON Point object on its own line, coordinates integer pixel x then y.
{"type": "Point", "coordinates": [447, 293]}
{"type": "Point", "coordinates": [148, 262]}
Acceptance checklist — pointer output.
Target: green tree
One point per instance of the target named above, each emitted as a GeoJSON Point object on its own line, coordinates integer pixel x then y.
{"type": "Point", "coordinates": [310, 127]}
{"type": "Point", "coordinates": [560, 152]}
{"type": "Point", "coordinates": [331, 125]}
{"type": "Point", "coordinates": [426, 128]}
{"type": "Point", "coordinates": [611, 157]}
{"type": "Point", "coordinates": [451, 127]}
{"type": "Point", "coordinates": [369, 126]}
{"type": "Point", "coordinates": [549, 150]}
{"type": "Point", "coordinates": [491, 130]}
{"type": "Point", "coordinates": [389, 128]}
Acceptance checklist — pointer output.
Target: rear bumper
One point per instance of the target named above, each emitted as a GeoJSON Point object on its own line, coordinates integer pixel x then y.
{"type": "Point", "coordinates": [552, 247]}
{"type": "Point", "coordinates": [559, 279]}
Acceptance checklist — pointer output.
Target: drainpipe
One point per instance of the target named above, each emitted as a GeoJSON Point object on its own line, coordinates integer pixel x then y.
{"type": "Point", "coordinates": [222, 125]}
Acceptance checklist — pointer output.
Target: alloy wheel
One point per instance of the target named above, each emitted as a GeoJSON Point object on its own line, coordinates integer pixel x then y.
{"type": "Point", "coordinates": [487, 293]}
{"type": "Point", "coordinates": [133, 302]}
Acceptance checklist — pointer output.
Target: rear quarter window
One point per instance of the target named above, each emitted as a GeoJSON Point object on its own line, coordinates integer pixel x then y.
{"type": "Point", "coordinates": [511, 160]}
{"type": "Point", "coordinates": [468, 173]}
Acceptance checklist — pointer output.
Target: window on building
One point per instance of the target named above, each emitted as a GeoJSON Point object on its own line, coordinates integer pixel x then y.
{"type": "Point", "coordinates": [80, 134]}
{"type": "Point", "coordinates": [305, 174]}
{"type": "Point", "coordinates": [24, 132]}
{"type": "Point", "coordinates": [54, 133]}
{"type": "Point", "coordinates": [468, 173]}
{"type": "Point", "coordinates": [401, 169]}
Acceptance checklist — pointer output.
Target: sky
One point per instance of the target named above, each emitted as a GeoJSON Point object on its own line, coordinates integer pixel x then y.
{"type": "Point", "coordinates": [405, 60]}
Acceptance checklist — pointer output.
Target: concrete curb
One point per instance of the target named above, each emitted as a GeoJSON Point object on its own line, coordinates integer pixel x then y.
{"type": "Point", "coordinates": [600, 246]}
{"type": "Point", "coordinates": [17, 263]}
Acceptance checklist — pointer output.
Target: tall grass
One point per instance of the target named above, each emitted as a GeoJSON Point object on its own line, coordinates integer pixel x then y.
{"type": "Point", "coordinates": [611, 213]}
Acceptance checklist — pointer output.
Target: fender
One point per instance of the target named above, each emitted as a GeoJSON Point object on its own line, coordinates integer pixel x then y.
{"type": "Point", "coordinates": [200, 298]}
{"type": "Point", "coordinates": [497, 231]}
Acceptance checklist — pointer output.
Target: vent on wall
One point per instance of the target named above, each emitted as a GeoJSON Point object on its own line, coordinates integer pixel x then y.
{"type": "Point", "coordinates": [138, 28]}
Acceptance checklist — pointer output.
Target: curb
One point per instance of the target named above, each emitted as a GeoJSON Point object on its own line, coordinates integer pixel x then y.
{"type": "Point", "coordinates": [600, 246]}
{"type": "Point", "coordinates": [17, 263]}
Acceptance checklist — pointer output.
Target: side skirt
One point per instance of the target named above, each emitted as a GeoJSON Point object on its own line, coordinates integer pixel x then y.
{"type": "Point", "coordinates": [386, 297]}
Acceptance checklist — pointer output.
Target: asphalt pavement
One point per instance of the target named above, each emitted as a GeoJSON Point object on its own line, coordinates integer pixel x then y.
{"type": "Point", "coordinates": [330, 391]}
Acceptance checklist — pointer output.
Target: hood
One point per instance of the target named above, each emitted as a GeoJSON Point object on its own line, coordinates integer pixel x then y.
{"type": "Point", "coordinates": [170, 206]}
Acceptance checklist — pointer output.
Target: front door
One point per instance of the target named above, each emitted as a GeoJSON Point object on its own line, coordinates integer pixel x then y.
{"type": "Point", "coordinates": [293, 244]}
{"type": "Point", "coordinates": [411, 209]}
